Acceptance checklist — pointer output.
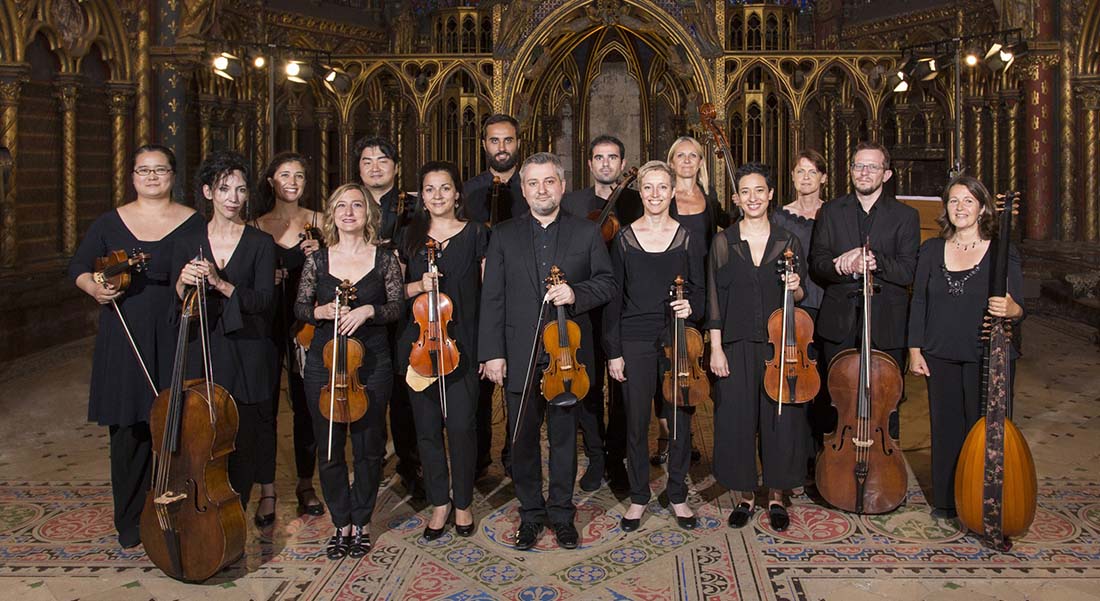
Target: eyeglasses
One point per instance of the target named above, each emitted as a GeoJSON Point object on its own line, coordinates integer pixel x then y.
{"type": "Point", "coordinates": [870, 167]}
{"type": "Point", "coordinates": [146, 171]}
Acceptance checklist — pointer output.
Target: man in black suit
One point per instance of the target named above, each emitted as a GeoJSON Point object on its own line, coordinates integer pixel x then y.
{"type": "Point", "coordinates": [843, 226]}
{"type": "Point", "coordinates": [605, 448]}
{"type": "Point", "coordinates": [514, 301]}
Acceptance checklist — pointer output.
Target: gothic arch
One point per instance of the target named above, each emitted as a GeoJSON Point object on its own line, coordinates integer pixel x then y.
{"type": "Point", "coordinates": [1088, 49]}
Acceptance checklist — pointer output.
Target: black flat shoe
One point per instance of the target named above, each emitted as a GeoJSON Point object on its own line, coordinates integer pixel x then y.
{"type": "Point", "coordinates": [741, 515]}
{"type": "Point", "coordinates": [778, 517]}
{"type": "Point", "coordinates": [527, 535]}
{"type": "Point", "coordinates": [304, 505]}
{"type": "Point", "coordinates": [688, 523]}
{"type": "Point", "coordinates": [592, 478]}
{"type": "Point", "coordinates": [338, 546]}
{"type": "Point", "coordinates": [629, 525]}
{"type": "Point", "coordinates": [359, 545]}
{"type": "Point", "coordinates": [263, 520]}
{"type": "Point", "coordinates": [567, 535]}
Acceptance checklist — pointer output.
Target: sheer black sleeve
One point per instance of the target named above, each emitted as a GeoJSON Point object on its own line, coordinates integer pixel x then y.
{"type": "Point", "coordinates": [716, 260]}
{"type": "Point", "coordinates": [307, 290]}
{"type": "Point", "coordinates": [394, 306]}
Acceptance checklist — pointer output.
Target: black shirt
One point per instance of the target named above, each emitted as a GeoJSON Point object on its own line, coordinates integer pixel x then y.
{"type": "Point", "coordinates": [546, 244]}
{"type": "Point", "coordinates": [865, 219]}
{"type": "Point", "coordinates": [475, 192]}
{"type": "Point", "coordinates": [393, 221]}
{"type": "Point", "coordinates": [628, 207]}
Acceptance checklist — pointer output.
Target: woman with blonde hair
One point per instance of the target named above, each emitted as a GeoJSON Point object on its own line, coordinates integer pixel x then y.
{"type": "Point", "coordinates": [350, 228]}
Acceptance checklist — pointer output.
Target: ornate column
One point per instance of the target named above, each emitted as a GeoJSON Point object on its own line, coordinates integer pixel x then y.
{"type": "Point", "coordinates": [995, 129]}
{"type": "Point", "coordinates": [294, 115]}
{"type": "Point", "coordinates": [324, 122]}
{"type": "Point", "coordinates": [348, 165]}
{"type": "Point", "coordinates": [11, 81]}
{"type": "Point", "coordinates": [1069, 206]}
{"type": "Point", "coordinates": [240, 126]}
{"type": "Point", "coordinates": [1091, 101]}
{"type": "Point", "coordinates": [143, 73]}
{"type": "Point", "coordinates": [977, 167]}
{"type": "Point", "coordinates": [1039, 144]}
{"type": "Point", "coordinates": [207, 106]}
{"type": "Point", "coordinates": [259, 127]}
{"type": "Point", "coordinates": [830, 149]}
{"type": "Point", "coordinates": [120, 97]}
{"type": "Point", "coordinates": [67, 85]}
{"type": "Point", "coordinates": [1012, 107]}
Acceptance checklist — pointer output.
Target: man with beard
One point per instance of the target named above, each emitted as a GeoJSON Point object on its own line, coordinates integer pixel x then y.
{"type": "Point", "coordinates": [843, 227]}
{"type": "Point", "coordinates": [605, 449]}
{"type": "Point", "coordinates": [500, 140]}
{"type": "Point", "coordinates": [377, 170]}
{"type": "Point", "coordinates": [514, 302]}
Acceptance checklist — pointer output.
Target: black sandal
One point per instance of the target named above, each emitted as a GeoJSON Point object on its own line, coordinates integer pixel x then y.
{"type": "Point", "coordinates": [263, 520]}
{"type": "Point", "coordinates": [338, 545]}
{"type": "Point", "coordinates": [660, 457]}
{"type": "Point", "coordinates": [360, 542]}
{"type": "Point", "coordinates": [305, 508]}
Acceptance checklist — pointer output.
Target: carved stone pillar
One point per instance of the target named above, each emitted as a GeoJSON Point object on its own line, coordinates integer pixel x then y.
{"type": "Point", "coordinates": [324, 122]}
{"type": "Point", "coordinates": [997, 153]}
{"type": "Point", "coordinates": [240, 127]}
{"type": "Point", "coordinates": [1091, 101]}
{"type": "Point", "coordinates": [11, 81]}
{"type": "Point", "coordinates": [295, 116]}
{"type": "Point", "coordinates": [831, 186]}
{"type": "Point", "coordinates": [259, 129]}
{"type": "Point", "coordinates": [348, 164]}
{"type": "Point", "coordinates": [67, 86]}
{"type": "Point", "coordinates": [1039, 144]}
{"type": "Point", "coordinates": [1012, 108]}
{"type": "Point", "coordinates": [977, 161]}
{"type": "Point", "coordinates": [1070, 206]}
{"type": "Point", "coordinates": [207, 106]}
{"type": "Point", "coordinates": [143, 73]}
{"type": "Point", "coordinates": [120, 99]}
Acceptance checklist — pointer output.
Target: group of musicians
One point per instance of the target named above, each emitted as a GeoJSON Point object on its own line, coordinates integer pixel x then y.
{"type": "Point", "coordinates": [499, 235]}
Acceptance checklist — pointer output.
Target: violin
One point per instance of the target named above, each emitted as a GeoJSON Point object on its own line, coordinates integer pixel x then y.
{"type": "Point", "coordinates": [708, 114]}
{"type": "Point", "coordinates": [565, 379]}
{"type": "Point", "coordinates": [494, 201]}
{"type": "Point", "coordinates": [193, 524]}
{"type": "Point", "coordinates": [113, 271]}
{"type": "Point", "coordinates": [995, 484]}
{"type": "Point", "coordinates": [860, 469]}
{"type": "Point", "coordinates": [343, 399]}
{"type": "Point", "coordinates": [607, 222]}
{"type": "Point", "coordinates": [303, 332]}
{"type": "Point", "coordinates": [790, 376]}
{"type": "Point", "coordinates": [685, 382]}
{"type": "Point", "coordinates": [434, 354]}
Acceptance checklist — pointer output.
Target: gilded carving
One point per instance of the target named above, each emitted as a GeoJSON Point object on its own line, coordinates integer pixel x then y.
{"type": "Point", "coordinates": [198, 21]}
{"type": "Point", "coordinates": [514, 23]}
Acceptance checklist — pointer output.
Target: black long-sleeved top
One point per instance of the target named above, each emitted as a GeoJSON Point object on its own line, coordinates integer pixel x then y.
{"type": "Point", "coordinates": [243, 355]}
{"type": "Point", "coordinates": [740, 295]}
{"type": "Point", "coordinates": [703, 225]}
{"type": "Point", "coordinates": [380, 287]}
{"type": "Point", "coordinates": [803, 229]}
{"type": "Point", "coordinates": [639, 312]}
{"type": "Point", "coordinates": [628, 207]}
{"type": "Point", "coordinates": [475, 193]}
{"type": "Point", "coordinates": [392, 221]}
{"type": "Point", "coordinates": [946, 326]}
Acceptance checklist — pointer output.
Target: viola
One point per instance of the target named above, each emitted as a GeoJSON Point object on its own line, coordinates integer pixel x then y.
{"type": "Point", "coordinates": [790, 376]}
{"type": "Point", "coordinates": [434, 353]}
{"type": "Point", "coordinates": [708, 114]}
{"type": "Point", "coordinates": [685, 382]}
{"type": "Point", "coordinates": [565, 379]}
{"type": "Point", "coordinates": [303, 332]}
{"type": "Point", "coordinates": [860, 469]}
{"type": "Point", "coordinates": [193, 524]}
{"type": "Point", "coordinates": [995, 484]}
{"type": "Point", "coordinates": [494, 201]}
{"type": "Point", "coordinates": [113, 271]}
{"type": "Point", "coordinates": [343, 400]}
{"type": "Point", "coordinates": [607, 222]}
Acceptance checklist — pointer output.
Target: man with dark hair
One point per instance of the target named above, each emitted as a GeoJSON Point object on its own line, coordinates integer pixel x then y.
{"type": "Point", "coordinates": [605, 449]}
{"type": "Point", "coordinates": [377, 158]}
{"type": "Point", "coordinates": [514, 302]}
{"type": "Point", "coordinates": [843, 226]}
{"type": "Point", "coordinates": [500, 140]}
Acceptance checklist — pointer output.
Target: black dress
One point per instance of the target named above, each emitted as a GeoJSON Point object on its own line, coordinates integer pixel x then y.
{"type": "Point", "coordinates": [740, 298]}
{"type": "Point", "coordinates": [803, 229]}
{"type": "Point", "coordinates": [459, 262]}
{"type": "Point", "coordinates": [636, 328]}
{"type": "Point", "coordinates": [703, 225]}
{"type": "Point", "coordinates": [947, 329]}
{"type": "Point", "coordinates": [119, 395]}
{"type": "Point", "coordinates": [243, 356]}
{"type": "Point", "coordinates": [382, 288]}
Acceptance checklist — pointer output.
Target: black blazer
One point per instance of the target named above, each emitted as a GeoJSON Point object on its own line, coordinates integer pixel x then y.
{"type": "Point", "coordinates": [895, 238]}
{"type": "Point", "coordinates": [512, 292]}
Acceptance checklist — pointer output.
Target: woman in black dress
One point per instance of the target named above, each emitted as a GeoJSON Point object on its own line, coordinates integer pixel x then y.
{"type": "Point", "coordinates": [646, 257]}
{"type": "Point", "coordinates": [238, 263]}
{"type": "Point", "coordinates": [350, 228]}
{"type": "Point", "coordinates": [439, 216]}
{"type": "Point", "coordinates": [280, 195]}
{"type": "Point", "coordinates": [950, 299]}
{"type": "Point", "coordinates": [120, 395]}
{"type": "Point", "coordinates": [743, 289]}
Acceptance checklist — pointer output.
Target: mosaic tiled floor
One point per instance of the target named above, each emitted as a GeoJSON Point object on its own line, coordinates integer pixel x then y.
{"type": "Point", "coordinates": [57, 542]}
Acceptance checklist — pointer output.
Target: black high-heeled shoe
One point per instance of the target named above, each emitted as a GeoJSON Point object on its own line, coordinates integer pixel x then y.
{"type": "Point", "coordinates": [359, 545]}
{"type": "Point", "coordinates": [264, 520]}
{"type": "Point", "coordinates": [464, 530]}
{"type": "Point", "coordinates": [661, 456]}
{"type": "Point", "coordinates": [431, 534]}
{"type": "Point", "coordinates": [306, 508]}
{"type": "Point", "coordinates": [338, 546]}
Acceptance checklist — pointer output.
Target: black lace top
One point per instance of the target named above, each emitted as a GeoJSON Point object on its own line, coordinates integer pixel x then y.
{"type": "Point", "coordinates": [803, 229]}
{"type": "Point", "coordinates": [381, 287]}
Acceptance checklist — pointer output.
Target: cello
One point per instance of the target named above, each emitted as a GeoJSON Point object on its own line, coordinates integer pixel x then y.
{"type": "Point", "coordinates": [707, 117]}
{"type": "Point", "coordinates": [347, 399]}
{"type": "Point", "coordinates": [860, 468]}
{"type": "Point", "coordinates": [192, 524]}
{"type": "Point", "coordinates": [995, 482]}
{"type": "Point", "coordinates": [604, 219]}
{"type": "Point", "coordinates": [790, 376]}
{"type": "Point", "coordinates": [434, 354]}
{"type": "Point", "coordinates": [565, 379]}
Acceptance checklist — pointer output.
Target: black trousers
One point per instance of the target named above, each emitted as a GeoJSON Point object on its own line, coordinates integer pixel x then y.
{"type": "Point", "coordinates": [255, 425]}
{"type": "Point", "coordinates": [461, 425]}
{"type": "Point", "coordinates": [954, 405]}
{"type": "Point", "coordinates": [826, 418]}
{"type": "Point", "coordinates": [643, 377]}
{"type": "Point", "coordinates": [742, 410]}
{"type": "Point", "coordinates": [403, 429]}
{"type": "Point", "coordinates": [615, 435]}
{"type": "Point", "coordinates": [561, 425]}
{"type": "Point", "coordinates": [305, 446]}
{"type": "Point", "coordinates": [486, 389]}
{"type": "Point", "coordinates": [131, 461]}
{"type": "Point", "coordinates": [352, 502]}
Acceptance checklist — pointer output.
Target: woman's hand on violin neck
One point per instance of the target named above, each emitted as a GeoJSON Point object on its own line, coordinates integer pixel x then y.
{"type": "Point", "coordinates": [681, 308]}
{"type": "Point", "coordinates": [793, 282]}
{"type": "Point", "coordinates": [309, 246]}
{"type": "Point", "coordinates": [427, 281]}
{"type": "Point", "coordinates": [560, 294]}
{"type": "Point", "coordinates": [328, 312]}
{"type": "Point", "coordinates": [616, 368]}
{"type": "Point", "coordinates": [917, 365]}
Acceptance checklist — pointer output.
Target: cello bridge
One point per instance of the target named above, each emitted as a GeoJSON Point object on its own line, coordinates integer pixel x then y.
{"type": "Point", "coordinates": [863, 444]}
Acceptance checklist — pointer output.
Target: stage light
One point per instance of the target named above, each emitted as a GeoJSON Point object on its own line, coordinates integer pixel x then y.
{"type": "Point", "coordinates": [897, 82]}
{"type": "Point", "coordinates": [971, 59]}
{"type": "Point", "coordinates": [227, 66]}
{"type": "Point", "coordinates": [998, 57]}
{"type": "Point", "coordinates": [925, 70]}
{"type": "Point", "coordinates": [337, 81]}
{"type": "Point", "coordinates": [258, 60]}
{"type": "Point", "coordinates": [298, 72]}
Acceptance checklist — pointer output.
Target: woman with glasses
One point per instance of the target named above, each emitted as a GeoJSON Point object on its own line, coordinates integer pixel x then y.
{"type": "Point", "coordinates": [121, 391]}
{"type": "Point", "coordinates": [236, 263]}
